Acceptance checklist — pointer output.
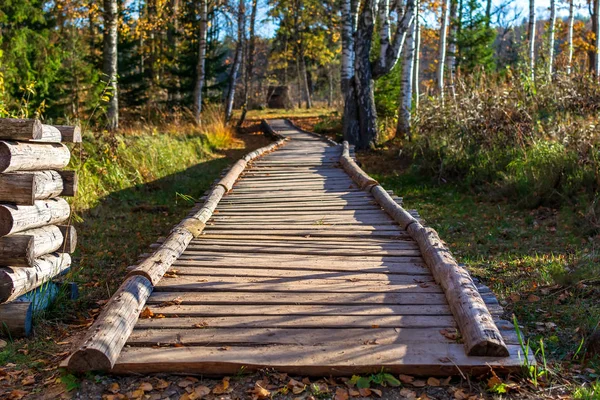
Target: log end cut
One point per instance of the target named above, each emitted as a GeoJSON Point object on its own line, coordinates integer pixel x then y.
{"type": "Point", "coordinates": [488, 348]}
{"type": "Point", "coordinates": [6, 220]}
{"type": "Point", "coordinates": [5, 156]}
{"type": "Point", "coordinates": [89, 359]}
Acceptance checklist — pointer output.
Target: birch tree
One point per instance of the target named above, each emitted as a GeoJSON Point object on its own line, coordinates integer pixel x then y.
{"type": "Point", "coordinates": [452, 41]}
{"type": "Point", "coordinates": [551, 34]}
{"type": "Point", "coordinates": [201, 65]}
{"type": "Point", "coordinates": [403, 129]}
{"type": "Point", "coordinates": [237, 59]}
{"type": "Point", "coordinates": [443, 44]}
{"type": "Point", "coordinates": [249, 61]}
{"type": "Point", "coordinates": [111, 15]}
{"type": "Point", "coordinates": [360, 118]}
{"type": "Point", "coordinates": [417, 61]}
{"type": "Point", "coordinates": [570, 36]}
{"type": "Point", "coordinates": [348, 29]}
{"type": "Point", "coordinates": [531, 38]}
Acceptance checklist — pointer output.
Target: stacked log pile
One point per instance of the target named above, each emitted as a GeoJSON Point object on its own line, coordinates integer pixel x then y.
{"type": "Point", "coordinates": [35, 236]}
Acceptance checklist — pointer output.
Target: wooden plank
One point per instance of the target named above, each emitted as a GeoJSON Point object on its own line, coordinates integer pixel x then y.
{"type": "Point", "coordinates": [301, 251]}
{"type": "Point", "coordinates": [298, 244]}
{"type": "Point", "coordinates": [184, 284]}
{"type": "Point", "coordinates": [297, 239]}
{"type": "Point", "coordinates": [291, 337]}
{"type": "Point", "coordinates": [301, 321]}
{"type": "Point", "coordinates": [287, 258]}
{"type": "Point", "coordinates": [291, 311]}
{"type": "Point", "coordinates": [429, 359]}
{"type": "Point", "coordinates": [195, 271]}
{"type": "Point", "coordinates": [316, 227]}
{"type": "Point", "coordinates": [282, 298]}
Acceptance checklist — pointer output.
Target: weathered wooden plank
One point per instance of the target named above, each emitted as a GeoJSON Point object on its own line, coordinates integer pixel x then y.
{"type": "Point", "coordinates": [299, 244]}
{"type": "Point", "coordinates": [282, 298]}
{"type": "Point", "coordinates": [302, 251]}
{"type": "Point", "coordinates": [429, 359]}
{"type": "Point", "coordinates": [291, 337]}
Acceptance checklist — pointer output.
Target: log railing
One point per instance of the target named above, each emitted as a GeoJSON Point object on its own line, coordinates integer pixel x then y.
{"type": "Point", "coordinates": [35, 235]}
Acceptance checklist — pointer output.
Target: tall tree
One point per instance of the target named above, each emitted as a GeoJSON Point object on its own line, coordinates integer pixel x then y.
{"type": "Point", "coordinates": [403, 128]}
{"type": "Point", "coordinates": [349, 13]}
{"type": "Point", "coordinates": [442, 47]}
{"type": "Point", "coordinates": [570, 36]}
{"type": "Point", "coordinates": [417, 60]}
{"type": "Point", "coordinates": [531, 38]}
{"type": "Point", "coordinates": [249, 61]}
{"type": "Point", "coordinates": [111, 15]}
{"type": "Point", "coordinates": [237, 59]}
{"type": "Point", "coordinates": [360, 119]}
{"type": "Point", "coordinates": [551, 34]}
{"type": "Point", "coordinates": [201, 65]}
{"type": "Point", "coordinates": [452, 40]}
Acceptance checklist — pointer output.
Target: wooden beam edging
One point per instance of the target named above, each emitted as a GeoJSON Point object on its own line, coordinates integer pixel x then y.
{"type": "Point", "coordinates": [480, 333]}
{"type": "Point", "coordinates": [105, 339]}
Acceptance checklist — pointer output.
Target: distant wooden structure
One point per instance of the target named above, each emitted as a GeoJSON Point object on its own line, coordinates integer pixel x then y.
{"type": "Point", "coordinates": [299, 261]}
{"type": "Point", "coordinates": [279, 97]}
{"type": "Point", "coordinates": [35, 236]}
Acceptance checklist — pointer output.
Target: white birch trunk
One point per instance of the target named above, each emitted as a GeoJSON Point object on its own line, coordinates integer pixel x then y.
{"type": "Point", "coordinates": [570, 36]}
{"type": "Point", "coordinates": [417, 61]}
{"type": "Point", "coordinates": [531, 37]}
{"type": "Point", "coordinates": [201, 66]}
{"type": "Point", "coordinates": [452, 37]}
{"type": "Point", "coordinates": [384, 31]}
{"type": "Point", "coordinates": [111, 16]}
{"type": "Point", "coordinates": [237, 60]}
{"type": "Point", "coordinates": [347, 45]}
{"type": "Point", "coordinates": [443, 44]}
{"type": "Point", "coordinates": [551, 35]}
{"type": "Point", "coordinates": [406, 95]}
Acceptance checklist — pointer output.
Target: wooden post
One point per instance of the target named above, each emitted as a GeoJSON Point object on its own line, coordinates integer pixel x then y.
{"type": "Point", "coordinates": [16, 319]}
{"type": "Point", "coordinates": [15, 281]}
{"type": "Point", "coordinates": [103, 343]}
{"type": "Point", "coordinates": [70, 134]}
{"type": "Point", "coordinates": [15, 219]}
{"type": "Point", "coordinates": [30, 156]}
{"type": "Point", "coordinates": [24, 188]}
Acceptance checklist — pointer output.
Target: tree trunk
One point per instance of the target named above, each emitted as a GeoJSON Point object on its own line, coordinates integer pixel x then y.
{"type": "Point", "coordinates": [531, 38]}
{"type": "Point", "coordinates": [306, 87]}
{"type": "Point", "coordinates": [237, 60]}
{"type": "Point", "coordinates": [347, 45]}
{"type": "Point", "coordinates": [111, 16]}
{"type": "Point", "coordinates": [594, 18]}
{"type": "Point", "coordinates": [551, 34]}
{"type": "Point", "coordinates": [406, 95]}
{"type": "Point", "coordinates": [442, 49]}
{"type": "Point", "coordinates": [249, 62]}
{"type": "Point", "coordinates": [201, 66]}
{"type": "Point", "coordinates": [488, 13]}
{"type": "Point", "coordinates": [452, 38]}
{"type": "Point", "coordinates": [417, 60]}
{"type": "Point", "coordinates": [570, 36]}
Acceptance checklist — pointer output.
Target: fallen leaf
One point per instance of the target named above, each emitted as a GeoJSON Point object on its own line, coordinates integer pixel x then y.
{"type": "Point", "coordinates": [136, 394]}
{"type": "Point", "coordinates": [341, 394]}
{"type": "Point", "coordinates": [493, 382]}
{"type": "Point", "coordinates": [146, 313]}
{"type": "Point", "coordinates": [364, 392]}
{"type": "Point", "coordinates": [29, 380]}
{"type": "Point", "coordinates": [433, 382]}
{"type": "Point", "coordinates": [378, 392]}
{"type": "Point", "coordinates": [161, 384]}
{"type": "Point", "coordinates": [146, 387]}
{"type": "Point", "coordinates": [3, 344]}
{"type": "Point", "coordinates": [114, 388]}
{"type": "Point", "coordinates": [17, 394]}
{"type": "Point", "coordinates": [407, 393]}
{"type": "Point", "coordinates": [460, 395]}
{"type": "Point", "coordinates": [184, 383]}
{"type": "Point", "coordinates": [419, 383]}
{"type": "Point", "coordinates": [353, 392]}
{"type": "Point", "coordinates": [260, 392]}
{"type": "Point", "coordinates": [202, 391]}
{"type": "Point", "coordinates": [515, 297]}
{"type": "Point", "coordinates": [222, 387]}
{"type": "Point", "coordinates": [406, 378]}
{"type": "Point", "coordinates": [532, 298]}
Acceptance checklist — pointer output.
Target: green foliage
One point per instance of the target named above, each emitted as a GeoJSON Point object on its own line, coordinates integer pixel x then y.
{"type": "Point", "coordinates": [475, 39]}
{"type": "Point", "coordinates": [381, 378]}
{"type": "Point", "coordinates": [590, 392]}
{"type": "Point", "coordinates": [387, 93]}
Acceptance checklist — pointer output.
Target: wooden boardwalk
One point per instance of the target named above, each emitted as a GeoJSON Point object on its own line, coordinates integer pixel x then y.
{"type": "Point", "coordinates": [301, 271]}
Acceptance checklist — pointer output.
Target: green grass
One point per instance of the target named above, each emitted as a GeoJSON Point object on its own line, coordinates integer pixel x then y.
{"type": "Point", "coordinates": [536, 261]}
{"type": "Point", "coordinates": [283, 113]}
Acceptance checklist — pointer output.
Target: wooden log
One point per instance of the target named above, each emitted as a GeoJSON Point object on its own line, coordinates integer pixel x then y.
{"type": "Point", "coordinates": [70, 134]}
{"type": "Point", "coordinates": [70, 183]}
{"type": "Point", "coordinates": [234, 173]}
{"type": "Point", "coordinates": [20, 250]}
{"type": "Point", "coordinates": [390, 206]}
{"type": "Point", "coordinates": [20, 129]}
{"type": "Point", "coordinates": [16, 319]}
{"type": "Point", "coordinates": [30, 156]}
{"type": "Point", "coordinates": [15, 281]}
{"type": "Point", "coordinates": [15, 219]}
{"type": "Point", "coordinates": [481, 336]}
{"type": "Point", "coordinates": [69, 234]}
{"type": "Point", "coordinates": [24, 188]}
{"type": "Point", "coordinates": [49, 135]}
{"type": "Point", "coordinates": [356, 173]}
{"type": "Point", "coordinates": [107, 336]}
